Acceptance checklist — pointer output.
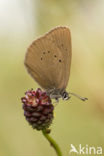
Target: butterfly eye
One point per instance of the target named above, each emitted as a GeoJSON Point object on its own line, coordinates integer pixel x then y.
{"type": "Point", "coordinates": [65, 96]}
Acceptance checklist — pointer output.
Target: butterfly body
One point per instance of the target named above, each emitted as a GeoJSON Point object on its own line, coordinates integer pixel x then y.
{"type": "Point", "coordinates": [48, 61]}
{"type": "Point", "coordinates": [57, 93]}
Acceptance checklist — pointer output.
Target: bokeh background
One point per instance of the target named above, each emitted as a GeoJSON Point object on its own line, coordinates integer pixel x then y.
{"type": "Point", "coordinates": [75, 122]}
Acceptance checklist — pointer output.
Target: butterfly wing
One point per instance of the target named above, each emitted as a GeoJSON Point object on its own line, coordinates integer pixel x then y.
{"type": "Point", "coordinates": [46, 62]}
{"type": "Point", "coordinates": [61, 37]}
{"type": "Point", "coordinates": [42, 63]}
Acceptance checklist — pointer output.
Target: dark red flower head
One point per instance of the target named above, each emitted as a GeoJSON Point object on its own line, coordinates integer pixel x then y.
{"type": "Point", "coordinates": [38, 109]}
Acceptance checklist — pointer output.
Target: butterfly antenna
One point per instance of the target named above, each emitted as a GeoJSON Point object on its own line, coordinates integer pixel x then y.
{"type": "Point", "coordinates": [78, 96]}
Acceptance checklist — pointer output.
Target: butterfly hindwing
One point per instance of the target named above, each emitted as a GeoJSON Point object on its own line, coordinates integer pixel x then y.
{"type": "Point", "coordinates": [42, 61]}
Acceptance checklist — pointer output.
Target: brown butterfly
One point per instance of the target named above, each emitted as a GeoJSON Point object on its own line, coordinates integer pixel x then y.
{"type": "Point", "coordinates": [48, 60]}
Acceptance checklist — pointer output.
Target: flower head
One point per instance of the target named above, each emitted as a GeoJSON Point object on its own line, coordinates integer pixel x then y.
{"type": "Point", "coordinates": [38, 109]}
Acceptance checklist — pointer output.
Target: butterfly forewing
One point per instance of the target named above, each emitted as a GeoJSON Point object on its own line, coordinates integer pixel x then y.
{"type": "Point", "coordinates": [48, 59]}
{"type": "Point", "coordinates": [61, 37]}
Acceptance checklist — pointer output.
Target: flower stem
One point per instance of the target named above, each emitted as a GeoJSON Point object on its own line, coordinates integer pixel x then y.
{"type": "Point", "coordinates": [52, 143]}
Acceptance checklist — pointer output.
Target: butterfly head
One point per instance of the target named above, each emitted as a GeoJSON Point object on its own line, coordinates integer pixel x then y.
{"type": "Point", "coordinates": [65, 95]}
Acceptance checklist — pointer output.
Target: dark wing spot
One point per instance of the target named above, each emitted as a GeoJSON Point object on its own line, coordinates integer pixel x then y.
{"type": "Point", "coordinates": [54, 55]}
{"type": "Point", "coordinates": [44, 52]}
{"type": "Point", "coordinates": [48, 51]}
{"type": "Point", "coordinates": [41, 58]}
{"type": "Point", "coordinates": [59, 60]}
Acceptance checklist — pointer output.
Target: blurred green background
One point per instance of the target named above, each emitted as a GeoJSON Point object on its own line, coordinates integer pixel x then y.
{"type": "Point", "coordinates": [75, 122]}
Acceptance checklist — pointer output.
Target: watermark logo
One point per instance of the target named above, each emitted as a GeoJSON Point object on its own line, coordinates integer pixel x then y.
{"type": "Point", "coordinates": [85, 149]}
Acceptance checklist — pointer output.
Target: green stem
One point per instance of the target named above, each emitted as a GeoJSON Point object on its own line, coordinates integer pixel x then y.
{"type": "Point", "coordinates": [52, 143]}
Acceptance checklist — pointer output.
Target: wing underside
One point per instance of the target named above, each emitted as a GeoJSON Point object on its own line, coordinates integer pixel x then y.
{"type": "Point", "coordinates": [48, 59]}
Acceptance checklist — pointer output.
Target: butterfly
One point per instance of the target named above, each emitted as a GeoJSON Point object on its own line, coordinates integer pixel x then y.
{"type": "Point", "coordinates": [48, 61]}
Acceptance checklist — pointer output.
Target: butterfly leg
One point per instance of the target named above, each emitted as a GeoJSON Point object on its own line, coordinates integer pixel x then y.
{"type": "Point", "coordinates": [57, 100]}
